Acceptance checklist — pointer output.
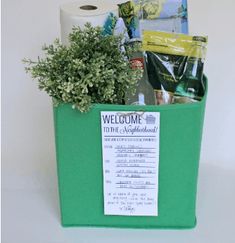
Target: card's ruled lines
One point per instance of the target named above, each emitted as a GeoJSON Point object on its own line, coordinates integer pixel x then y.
{"type": "Point", "coordinates": [132, 148]}
{"type": "Point", "coordinates": [135, 163]}
{"type": "Point", "coordinates": [123, 183]}
{"type": "Point", "coordinates": [136, 172]}
{"type": "Point", "coordinates": [131, 166]}
{"type": "Point", "coordinates": [117, 136]}
{"type": "Point", "coordinates": [135, 157]}
{"type": "Point", "coordinates": [135, 188]}
{"type": "Point", "coordinates": [136, 177]}
{"type": "Point", "coordinates": [135, 152]}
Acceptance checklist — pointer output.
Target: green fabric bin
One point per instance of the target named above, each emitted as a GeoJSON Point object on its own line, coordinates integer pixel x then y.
{"type": "Point", "coordinates": [80, 172]}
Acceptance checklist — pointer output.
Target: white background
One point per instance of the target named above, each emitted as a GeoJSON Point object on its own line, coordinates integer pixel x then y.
{"type": "Point", "coordinates": [30, 211]}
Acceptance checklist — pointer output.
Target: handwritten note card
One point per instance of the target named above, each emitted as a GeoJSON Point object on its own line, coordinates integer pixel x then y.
{"type": "Point", "coordinates": [130, 142]}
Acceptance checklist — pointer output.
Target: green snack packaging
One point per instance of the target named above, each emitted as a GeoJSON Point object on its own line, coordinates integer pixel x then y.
{"type": "Point", "coordinates": [175, 66]}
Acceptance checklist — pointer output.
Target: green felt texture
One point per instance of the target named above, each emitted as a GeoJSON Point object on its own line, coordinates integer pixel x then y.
{"type": "Point", "coordinates": [80, 174]}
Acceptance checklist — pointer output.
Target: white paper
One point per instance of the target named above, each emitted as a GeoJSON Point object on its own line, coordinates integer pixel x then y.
{"type": "Point", "coordinates": [130, 148]}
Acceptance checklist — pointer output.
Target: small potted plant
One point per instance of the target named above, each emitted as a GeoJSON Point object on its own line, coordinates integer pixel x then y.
{"type": "Point", "coordinates": [91, 69]}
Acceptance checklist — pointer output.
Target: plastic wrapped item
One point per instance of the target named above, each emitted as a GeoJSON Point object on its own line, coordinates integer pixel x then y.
{"type": "Point", "coordinates": [156, 15]}
{"type": "Point", "coordinates": [175, 66]}
{"type": "Point", "coordinates": [110, 24]}
{"type": "Point", "coordinates": [128, 13]}
{"type": "Point", "coordinates": [121, 30]}
{"type": "Point", "coordinates": [162, 15]}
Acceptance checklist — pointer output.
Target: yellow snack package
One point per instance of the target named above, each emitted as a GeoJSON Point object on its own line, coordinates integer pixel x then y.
{"type": "Point", "coordinates": [175, 65]}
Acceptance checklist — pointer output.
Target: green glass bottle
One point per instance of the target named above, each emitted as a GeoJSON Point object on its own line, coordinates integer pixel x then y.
{"type": "Point", "coordinates": [191, 87]}
{"type": "Point", "coordinates": [144, 94]}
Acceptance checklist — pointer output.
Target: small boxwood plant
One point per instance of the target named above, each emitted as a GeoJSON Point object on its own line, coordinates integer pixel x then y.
{"type": "Point", "coordinates": [91, 69]}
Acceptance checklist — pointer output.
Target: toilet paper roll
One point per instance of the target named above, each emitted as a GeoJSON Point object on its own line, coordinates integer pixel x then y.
{"type": "Point", "coordinates": [80, 12]}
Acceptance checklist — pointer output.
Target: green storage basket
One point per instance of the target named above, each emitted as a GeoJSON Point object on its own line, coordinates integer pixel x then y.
{"type": "Point", "coordinates": [80, 172]}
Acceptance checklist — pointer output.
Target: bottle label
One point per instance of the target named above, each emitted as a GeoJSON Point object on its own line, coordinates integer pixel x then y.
{"type": "Point", "coordinates": [137, 63]}
{"type": "Point", "coordinates": [141, 99]}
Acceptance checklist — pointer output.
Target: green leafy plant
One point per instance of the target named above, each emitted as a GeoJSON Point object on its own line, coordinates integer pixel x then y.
{"type": "Point", "coordinates": [91, 69]}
